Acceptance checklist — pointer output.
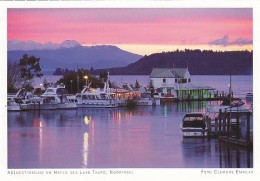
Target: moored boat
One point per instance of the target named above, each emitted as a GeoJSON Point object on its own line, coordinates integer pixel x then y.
{"type": "Point", "coordinates": [145, 99]}
{"type": "Point", "coordinates": [18, 101]}
{"type": "Point", "coordinates": [12, 105]}
{"type": "Point", "coordinates": [96, 98]}
{"type": "Point", "coordinates": [52, 98]}
{"type": "Point", "coordinates": [194, 125]}
{"type": "Point", "coordinates": [249, 96]}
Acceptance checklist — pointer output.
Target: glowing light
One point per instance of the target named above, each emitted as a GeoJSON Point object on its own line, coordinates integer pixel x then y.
{"type": "Point", "coordinates": [86, 120]}
{"type": "Point", "coordinates": [85, 77]}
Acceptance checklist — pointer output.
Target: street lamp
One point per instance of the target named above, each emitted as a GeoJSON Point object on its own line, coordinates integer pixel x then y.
{"type": "Point", "coordinates": [86, 77]}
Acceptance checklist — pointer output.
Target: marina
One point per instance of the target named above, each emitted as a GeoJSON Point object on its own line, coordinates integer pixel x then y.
{"type": "Point", "coordinates": [101, 129]}
{"type": "Point", "coordinates": [158, 92]}
{"type": "Point", "coordinates": [144, 136]}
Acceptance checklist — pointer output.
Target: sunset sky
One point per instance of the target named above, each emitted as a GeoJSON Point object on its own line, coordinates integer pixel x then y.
{"type": "Point", "coordinates": [142, 31]}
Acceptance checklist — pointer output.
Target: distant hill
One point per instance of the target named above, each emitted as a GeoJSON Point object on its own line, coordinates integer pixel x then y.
{"type": "Point", "coordinates": [70, 54]}
{"type": "Point", "coordinates": [198, 62]}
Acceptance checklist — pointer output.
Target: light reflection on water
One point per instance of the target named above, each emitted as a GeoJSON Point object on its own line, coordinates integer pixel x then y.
{"type": "Point", "coordinates": [115, 138]}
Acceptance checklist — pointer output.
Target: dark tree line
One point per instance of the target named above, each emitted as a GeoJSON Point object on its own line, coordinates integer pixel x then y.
{"type": "Point", "coordinates": [75, 81]}
{"type": "Point", "coordinates": [205, 62]}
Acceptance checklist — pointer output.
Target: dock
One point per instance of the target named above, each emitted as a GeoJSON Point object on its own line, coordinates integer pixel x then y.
{"type": "Point", "coordinates": [232, 127]}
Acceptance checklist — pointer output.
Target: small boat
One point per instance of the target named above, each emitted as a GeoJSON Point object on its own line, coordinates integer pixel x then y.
{"type": "Point", "coordinates": [194, 125]}
{"type": "Point", "coordinates": [249, 96]}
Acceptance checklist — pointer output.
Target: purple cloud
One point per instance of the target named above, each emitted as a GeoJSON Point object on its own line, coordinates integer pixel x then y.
{"type": "Point", "coordinates": [225, 41]}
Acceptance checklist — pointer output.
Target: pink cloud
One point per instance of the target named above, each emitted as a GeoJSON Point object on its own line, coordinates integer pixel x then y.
{"type": "Point", "coordinates": [129, 26]}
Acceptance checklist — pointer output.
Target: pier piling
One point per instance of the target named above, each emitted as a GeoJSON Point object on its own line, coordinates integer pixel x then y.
{"type": "Point", "coordinates": [248, 127]}
{"type": "Point", "coordinates": [228, 126]}
{"type": "Point", "coordinates": [231, 132]}
{"type": "Point", "coordinates": [219, 122]}
{"type": "Point", "coordinates": [237, 126]}
{"type": "Point", "coordinates": [216, 125]}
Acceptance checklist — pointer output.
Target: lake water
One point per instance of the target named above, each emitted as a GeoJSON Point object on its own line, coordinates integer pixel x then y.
{"type": "Point", "coordinates": [143, 137]}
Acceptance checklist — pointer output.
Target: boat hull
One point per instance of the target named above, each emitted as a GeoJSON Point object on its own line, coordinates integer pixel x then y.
{"type": "Point", "coordinates": [191, 132]}
{"type": "Point", "coordinates": [90, 105]}
{"type": "Point", "coordinates": [13, 108]}
{"type": "Point", "coordinates": [149, 102]}
{"type": "Point", "coordinates": [43, 106]}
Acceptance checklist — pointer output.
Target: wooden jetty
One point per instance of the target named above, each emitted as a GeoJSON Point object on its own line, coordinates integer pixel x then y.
{"type": "Point", "coordinates": [232, 127]}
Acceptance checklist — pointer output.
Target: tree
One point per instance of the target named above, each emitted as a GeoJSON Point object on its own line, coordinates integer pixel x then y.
{"type": "Point", "coordinates": [137, 85]}
{"type": "Point", "coordinates": [29, 68]}
{"type": "Point", "coordinates": [72, 79]}
{"type": "Point", "coordinates": [125, 86]}
{"type": "Point", "coordinates": [13, 76]}
{"type": "Point", "coordinates": [46, 84]}
{"type": "Point", "coordinates": [103, 76]}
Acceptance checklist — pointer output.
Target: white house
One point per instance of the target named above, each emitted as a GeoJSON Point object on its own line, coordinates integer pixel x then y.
{"type": "Point", "coordinates": [176, 83]}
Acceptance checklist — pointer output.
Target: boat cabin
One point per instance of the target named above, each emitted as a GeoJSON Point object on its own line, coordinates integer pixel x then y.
{"type": "Point", "coordinates": [194, 120]}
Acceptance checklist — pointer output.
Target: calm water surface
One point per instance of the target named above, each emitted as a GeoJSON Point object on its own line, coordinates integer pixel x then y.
{"type": "Point", "coordinates": [147, 137]}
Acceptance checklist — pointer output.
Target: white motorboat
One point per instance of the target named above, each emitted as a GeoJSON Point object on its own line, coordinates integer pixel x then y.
{"type": "Point", "coordinates": [97, 98]}
{"type": "Point", "coordinates": [12, 105]}
{"type": "Point", "coordinates": [90, 97]}
{"type": "Point", "coordinates": [194, 125]}
{"type": "Point", "coordinates": [17, 101]}
{"type": "Point", "coordinates": [53, 98]}
{"type": "Point", "coordinates": [145, 99]}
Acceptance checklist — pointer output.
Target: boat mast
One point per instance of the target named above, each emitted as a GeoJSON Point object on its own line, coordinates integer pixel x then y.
{"type": "Point", "coordinates": [230, 99]}
{"type": "Point", "coordinates": [77, 79]}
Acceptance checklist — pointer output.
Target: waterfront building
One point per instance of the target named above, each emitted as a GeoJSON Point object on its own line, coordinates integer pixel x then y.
{"type": "Point", "coordinates": [175, 83]}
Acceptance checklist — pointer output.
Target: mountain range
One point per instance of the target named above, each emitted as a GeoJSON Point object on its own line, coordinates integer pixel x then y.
{"type": "Point", "coordinates": [32, 45]}
{"type": "Point", "coordinates": [70, 54]}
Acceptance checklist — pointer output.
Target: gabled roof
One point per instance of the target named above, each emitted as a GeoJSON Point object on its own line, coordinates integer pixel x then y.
{"type": "Point", "coordinates": [179, 72]}
{"type": "Point", "coordinates": [168, 72]}
{"type": "Point", "coordinates": [161, 73]}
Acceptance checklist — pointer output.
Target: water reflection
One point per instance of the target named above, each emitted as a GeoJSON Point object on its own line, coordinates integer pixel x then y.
{"type": "Point", "coordinates": [233, 156]}
{"type": "Point", "coordinates": [200, 153]}
{"type": "Point", "coordinates": [85, 150]}
{"type": "Point", "coordinates": [192, 106]}
{"type": "Point", "coordinates": [100, 138]}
